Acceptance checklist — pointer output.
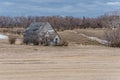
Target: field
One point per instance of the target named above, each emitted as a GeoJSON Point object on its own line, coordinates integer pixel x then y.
{"type": "Point", "coordinates": [74, 62]}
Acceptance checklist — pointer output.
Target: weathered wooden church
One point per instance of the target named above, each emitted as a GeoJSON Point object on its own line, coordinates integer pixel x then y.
{"type": "Point", "coordinates": [41, 33]}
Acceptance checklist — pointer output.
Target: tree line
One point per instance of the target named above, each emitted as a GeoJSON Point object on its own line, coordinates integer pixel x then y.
{"type": "Point", "coordinates": [61, 23]}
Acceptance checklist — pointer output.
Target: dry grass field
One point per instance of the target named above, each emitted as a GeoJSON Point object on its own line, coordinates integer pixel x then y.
{"type": "Point", "coordinates": [73, 62]}
{"type": "Point", "coordinates": [93, 32]}
{"type": "Point", "coordinates": [72, 36]}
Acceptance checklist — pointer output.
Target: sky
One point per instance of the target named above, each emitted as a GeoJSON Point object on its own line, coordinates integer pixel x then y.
{"type": "Point", "coordinates": [76, 8]}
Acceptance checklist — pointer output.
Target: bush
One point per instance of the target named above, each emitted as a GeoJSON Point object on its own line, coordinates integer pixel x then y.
{"type": "Point", "coordinates": [62, 43]}
{"type": "Point", "coordinates": [12, 39]}
{"type": "Point", "coordinates": [19, 41]}
{"type": "Point", "coordinates": [113, 37]}
{"type": "Point", "coordinates": [65, 43]}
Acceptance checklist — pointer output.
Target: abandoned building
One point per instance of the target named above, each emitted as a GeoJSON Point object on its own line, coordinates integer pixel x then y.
{"type": "Point", "coordinates": [41, 33]}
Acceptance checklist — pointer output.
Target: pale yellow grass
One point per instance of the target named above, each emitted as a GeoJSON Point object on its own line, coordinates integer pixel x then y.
{"type": "Point", "coordinates": [68, 35]}
{"type": "Point", "coordinates": [100, 33]}
{"type": "Point", "coordinates": [12, 30]}
{"type": "Point", "coordinates": [73, 36]}
{"type": "Point", "coordinates": [75, 62]}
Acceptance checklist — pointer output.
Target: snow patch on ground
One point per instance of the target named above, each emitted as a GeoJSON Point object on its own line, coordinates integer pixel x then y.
{"type": "Point", "coordinates": [3, 36]}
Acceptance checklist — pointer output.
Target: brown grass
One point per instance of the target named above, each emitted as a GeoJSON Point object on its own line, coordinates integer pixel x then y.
{"type": "Point", "coordinates": [67, 35]}
{"type": "Point", "coordinates": [113, 36]}
{"type": "Point", "coordinates": [12, 39]}
{"type": "Point", "coordinates": [75, 62]}
{"type": "Point", "coordinates": [93, 32]}
{"type": "Point", "coordinates": [18, 31]}
{"type": "Point", "coordinates": [75, 38]}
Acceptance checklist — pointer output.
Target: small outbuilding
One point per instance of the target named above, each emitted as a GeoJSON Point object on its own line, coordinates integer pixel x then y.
{"type": "Point", "coordinates": [41, 33]}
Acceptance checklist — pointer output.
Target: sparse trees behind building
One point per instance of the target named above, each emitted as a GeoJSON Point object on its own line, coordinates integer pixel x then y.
{"type": "Point", "coordinates": [58, 22]}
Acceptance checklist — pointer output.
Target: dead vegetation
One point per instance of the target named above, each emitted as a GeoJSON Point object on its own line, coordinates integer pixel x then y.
{"type": "Point", "coordinates": [75, 38]}
{"type": "Point", "coordinates": [113, 37]}
{"type": "Point", "coordinates": [68, 36]}
{"type": "Point", "coordinates": [75, 62]}
{"type": "Point", "coordinates": [12, 39]}
{"type": "Point", "coordinates": [99, 32]}
{"type": "Point", "coordinates": [62, 43]}
{"type": "Point", "coordinates": [18, 31]}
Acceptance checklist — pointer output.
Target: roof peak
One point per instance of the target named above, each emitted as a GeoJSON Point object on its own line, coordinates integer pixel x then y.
{"type": "Point", "coordinates": [39, 22]}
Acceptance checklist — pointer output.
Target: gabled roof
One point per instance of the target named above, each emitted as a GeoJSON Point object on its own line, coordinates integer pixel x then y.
{"type": "Point", "coordinates": [37, 25]}
{"type": "Point", "coordinates": [40, 25]}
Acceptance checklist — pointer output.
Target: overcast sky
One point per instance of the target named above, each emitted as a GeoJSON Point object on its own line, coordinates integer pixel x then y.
{"type": "Point", "coordinates": [76, 8]}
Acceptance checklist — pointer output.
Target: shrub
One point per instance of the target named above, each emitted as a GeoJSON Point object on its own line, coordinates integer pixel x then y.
{"type": "Point", "coordinates": [113, 37]}
{"type": "Point", "coordinates": [62, 43]}
{"type": "Point", "coordinates": [19, 41]}
{"type": "Point", "coordinates": [12, 39]}
{"type": "Point", "coordinates": [65, 43]}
